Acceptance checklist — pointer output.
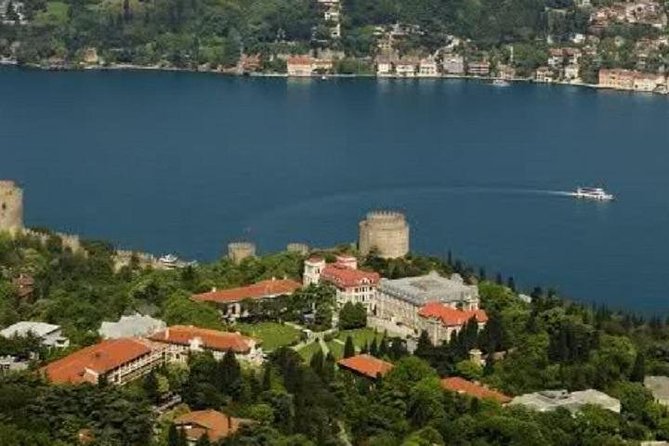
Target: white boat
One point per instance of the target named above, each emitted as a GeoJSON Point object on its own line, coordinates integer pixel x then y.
{"type": "Point", "coordinates": [500, 83]}
{"type": "Point", "coordinates": [593, 193]}
{"type": "Point", "coordinates": [170, 260]}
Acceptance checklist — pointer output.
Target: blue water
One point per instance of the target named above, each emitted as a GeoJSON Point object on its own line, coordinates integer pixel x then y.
{"type": "Point", "coordinates": [174, 162]}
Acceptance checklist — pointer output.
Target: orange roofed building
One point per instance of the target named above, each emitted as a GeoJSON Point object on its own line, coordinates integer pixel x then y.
{"type": "Point", "coordinates": [214, 424]}
{"type": "Point", "coordinates": [463, 386]}
{"type": "Point", "coordinates": [182, 340]}
{"type": "Point", "coordinates": [366, 365]}
{"type": "Point", "coordinates": [353, 285]}
{"type": "Point", "coordinates": [441, 321]}
{"type": "Point", "coordinates": [118, 360]}
{"type": "Point", "coordinates": [232, 298]}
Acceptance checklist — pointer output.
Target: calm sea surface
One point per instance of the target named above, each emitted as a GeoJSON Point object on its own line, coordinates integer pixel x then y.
{"type": "Point", "coordinates": [184, 163]}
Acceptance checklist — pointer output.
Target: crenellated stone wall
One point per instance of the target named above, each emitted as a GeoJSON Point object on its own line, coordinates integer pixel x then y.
{"type": "Point", "coordinates": [385, 232]}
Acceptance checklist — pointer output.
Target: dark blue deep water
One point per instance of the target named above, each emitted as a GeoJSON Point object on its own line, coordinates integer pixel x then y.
{"type": "Point", "coordinates": [184, 163]}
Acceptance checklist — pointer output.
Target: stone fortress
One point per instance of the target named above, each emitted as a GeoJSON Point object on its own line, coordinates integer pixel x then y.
{"type": "Point", "coordinates": [385, 232]}
{"type": "Point", "coordinates": [11, 207]}
{"type": "Point", "coordinates": [238, 251]}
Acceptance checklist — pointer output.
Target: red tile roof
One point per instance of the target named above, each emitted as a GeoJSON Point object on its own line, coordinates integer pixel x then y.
{"type": "Point", "coordinates": [461, 385]}
{"type": "Point", "coordinates": [366, 365]}
{"type": "Point", "coordinates": [299, 60]}
{"type": "Point", "coordinates": [343, 277]}
{"type": "Point", "coordinates": [211, 339]}
{"type": "Point", "coordinates": [451, 317]}
{"type": "Point", "coordinates": [99, 358]}
{"type": "Point", "coordinates": [260, 290]}
{"type": "Point", "coordinates": [215, 424]}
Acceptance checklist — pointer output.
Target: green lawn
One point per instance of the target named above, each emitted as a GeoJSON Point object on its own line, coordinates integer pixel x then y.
{"type": "Point", "coordinates": [360, 336]}
{"type": "Point", "coordinates": [56, 13]}
{"type": "Point", "coordinates": [273, 335]}
{"type": "Point", "coordinates": [336, 349]}
{"type": "Point", "coordinates": [308, 351]}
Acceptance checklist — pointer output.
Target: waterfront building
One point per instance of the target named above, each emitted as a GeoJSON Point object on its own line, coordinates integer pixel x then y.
{"type": "Point", "coordinates": [351, 284]}
{"type": "Point", "coordinates": [299, 66]}
{"type": "Point", "coordinates": [473, 389]}
{"type": "Point", "coordinates": [428, 68]}
{"type": "Point", "coordinates": [406, 67]}
{"type": "Point", "coordinates": [130, 326]}
{"type": "Point", "coordinates": [384, 233]}
{"type": "Point", "coordinates": [442, 321]}
{"type": "Point", "coordinates": [384, 66]}
{"type": "Point", "coordinates": [544, 74]}
{"type": "Point", "coordinates": [230, 300]}
{"type": "Point", "coordinates": [51, 335]}
{"type": "Point", "coordinates": [617, 79]}
{"type": "Point", "coordinates": [401, 300]}
{"type": "Point", "coordinates": [506, 72]}
{"type": "Point", "coordinates": [365, 365]}
{"type": "Point", "coordinates": [182, 340]}
{"type": "Point", "coordinates": [214, 424]}
{"type": "Point", "coordinates": [119, 361]}
{"type": "Point", "coordinates": [453, 64]}
{"type": "Point", "coordinates": [478, 68]}
{"type": "Point", "coordinates": [549, 400]}
{"type": "Point", "coordinates": [571, 73]}
{"type": "Point", "coordinates": [648, 82]}
{"type": "Point", "coordinates": [555, 58]}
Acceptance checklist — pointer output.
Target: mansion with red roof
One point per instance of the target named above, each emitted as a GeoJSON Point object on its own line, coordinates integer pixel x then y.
{"type": "Point", "coordinates": [353, 285]}
{"type": "Point", "coordinates": [230, 300]}
{"type": "Point", "coordinates": [181, 340]}
{"type": "Point", "coordinates": [365, 365]}
{"type": "Point", "coordinates": [119, 361]}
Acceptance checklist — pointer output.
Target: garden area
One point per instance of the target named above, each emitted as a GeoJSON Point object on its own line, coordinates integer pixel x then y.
{"type": "Point", "coordinates": [272, 334]}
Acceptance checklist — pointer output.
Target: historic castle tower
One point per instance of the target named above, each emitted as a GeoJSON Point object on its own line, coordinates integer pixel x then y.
{"type": "Point", "coordinates": [385, 232]}
{"type": "Point", "coordinates": [238, 251]}
{"type": "Point", "coordinates": [11, 207]}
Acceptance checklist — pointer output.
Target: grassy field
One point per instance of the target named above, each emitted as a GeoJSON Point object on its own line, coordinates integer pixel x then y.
{"type": "Point", "coordinates": [308, 351]}
{"type": "Point", "coordinates": [360, 336]}
{"type": "Point", "coordinates": [272, 334]}
{"type": "Point", "coordinates": [56, 13]}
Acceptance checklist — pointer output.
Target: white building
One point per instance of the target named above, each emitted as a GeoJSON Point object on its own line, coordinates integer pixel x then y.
{"type": "Point", "coordinates": [51, 335]}
{"type": "Point", "coordinates": [136, 325]}
{"type": "Point", "coordinates": [548, 400]}
{"type": "Point", "coordinates": [401, 300]}
{"type": "Point", "coordinates": [428, 68]}
{"type": "Point", "coordinates": [352, 285]}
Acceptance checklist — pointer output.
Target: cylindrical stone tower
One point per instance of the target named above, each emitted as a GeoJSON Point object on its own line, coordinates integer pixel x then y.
{"type": "Point", "coordinates": [299, 248]}
{"type": "Point", "coordinates": [386, 233]}
{"type": "Point", "coordinates": [238, 251]}
{"type": "Point", "coordinates": [11, 207]}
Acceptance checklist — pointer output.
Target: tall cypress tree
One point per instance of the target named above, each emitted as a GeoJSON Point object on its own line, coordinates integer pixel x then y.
{"type": "Point", "coordinates": [267, 377]}
{"type": "Point", "coordinates": [639, 370]}
{"type": "Point", "coordinates": [374, 348]}
{"type": "Point", "coordinates": [349, 348]}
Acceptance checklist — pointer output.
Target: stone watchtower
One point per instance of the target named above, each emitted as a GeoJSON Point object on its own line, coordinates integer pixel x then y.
{"type": "Point", "coordinates": [238, 251]}
{"type": "Point", "coordinates": [11, 207]}
{"type": "Point", "coordinates": [385, 232]}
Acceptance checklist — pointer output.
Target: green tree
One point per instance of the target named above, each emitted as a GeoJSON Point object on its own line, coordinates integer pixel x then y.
{"type": "Point", "coordinates": [349, 347]}
{"type": "Point", "coordinates": [352, 316]}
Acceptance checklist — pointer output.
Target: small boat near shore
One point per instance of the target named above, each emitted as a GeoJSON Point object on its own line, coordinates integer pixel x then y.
{"type": "Point", "coordinates": [500, 83]}
{"type": "Point", "coordinates": [593, 193]}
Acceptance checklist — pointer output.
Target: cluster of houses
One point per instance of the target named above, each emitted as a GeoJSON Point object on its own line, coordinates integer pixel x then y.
{"type": "Point", "coordinates": [562, 64]}
{"type": "Point", "coordinates": [634, 80]}
{"type": "Point", "coordinates": [641, 12]}
{"type": "Point", "coordinates": [448, 64]}
{"type": "Point", "coordinates": [332, 16]}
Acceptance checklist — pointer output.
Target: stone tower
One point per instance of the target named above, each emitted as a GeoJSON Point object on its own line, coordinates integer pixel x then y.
{"type": "Point", "coordinates": [11, 207]}
{"type": "Point", "coordinates": [385, 232]}
{"type": "Point", "coordinates": [238, 251]}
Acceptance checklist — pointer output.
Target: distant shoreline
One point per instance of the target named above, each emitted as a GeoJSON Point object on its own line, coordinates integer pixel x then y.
{"type": "Point", "coordinates": [131, 67]}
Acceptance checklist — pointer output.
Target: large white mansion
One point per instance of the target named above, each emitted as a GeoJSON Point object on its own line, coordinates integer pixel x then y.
{"type": "Point", "coordinates": [436, 304]}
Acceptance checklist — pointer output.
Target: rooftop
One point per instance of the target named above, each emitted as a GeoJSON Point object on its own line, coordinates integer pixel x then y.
{"type": "Point", "coordinates": [461, 385]}
{"type": "Point", "coordinates": [215, 424]}
{"type": "Point", "coordinates": [341, 276]}
{"type": "Point", "coordinates": [209, 339]}
{"type": "Point", "coordinates": [130, 326]}
{"type": "Point", "coordinates": [548, 400]}
{"type": "Point", "coordinates": [98, 359]}
{"type": "Point", "coordinates": [22, 328]}
{"type": "Point", "coordinates": [659, 387]}
{"type": "Point", "coordinates": [451, 317]}
{"type": "Point", "coordinates": [366, 365]}
{"type": "Point", "coordinates": [260, 290]}
{"type": "Point", "coordinates": [429, 288]}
